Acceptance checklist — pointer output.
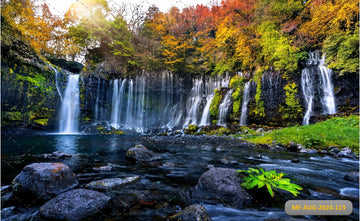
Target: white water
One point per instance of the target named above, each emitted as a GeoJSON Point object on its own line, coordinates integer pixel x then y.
{"type": "Point", "coordinates": [57, 76]}
{"type": "Point", "coordinates": [205, 118]}
{"type": "Point", "coordinates": [224, 108]}
{"type": "Point", "coordinates": [328, 100]}
{"type": "Point", "coordinates": [308, 92]}
{"type": "Point", "coordinates": [70, 107]}
{"type": "Point", "coordinates": [245, 101]}
{"type": "Point", "coordinates": [327, 97]}
{"type": "Point", "coordinates": [117, 102]}
{"type": "Point", "coordinates": [193, 103]}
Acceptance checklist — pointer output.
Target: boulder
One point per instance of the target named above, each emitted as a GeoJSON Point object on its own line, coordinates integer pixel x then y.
{"type": "Point", "coordinates": [107, 184]}
{"type": "Point", "coordinates": [352, 176]}
{"type": "Point", "coordinates": [74, 205]}
{"type": "Point", "coordinates": [193, 212]}
{"type": "Point", "coordinates": [346, 152]}
{"type": "Point", "coordinates": [140, 153]}
{"type": "Point", "coordinates": [43, 181]}
{"type": "Point", "coordinates": [221, 185]}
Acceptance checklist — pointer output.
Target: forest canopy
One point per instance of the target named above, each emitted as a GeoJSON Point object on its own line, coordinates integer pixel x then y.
{"type": "Point", "coordinates": [236, 35]}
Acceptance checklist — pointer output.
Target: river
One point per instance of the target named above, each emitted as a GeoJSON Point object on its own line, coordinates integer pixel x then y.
{"type": "Point", "coordinates": [181, 164]}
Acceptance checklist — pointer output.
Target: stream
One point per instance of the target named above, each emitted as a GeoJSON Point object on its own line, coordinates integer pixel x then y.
{"type": "Point", "coordinates": [181, 164]}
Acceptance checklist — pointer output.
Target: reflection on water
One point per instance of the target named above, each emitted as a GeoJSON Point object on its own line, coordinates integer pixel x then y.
{"type": "Point", "coordinates": [67, 143]}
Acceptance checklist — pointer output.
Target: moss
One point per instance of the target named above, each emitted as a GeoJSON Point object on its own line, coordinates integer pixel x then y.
{"type": "Point", "coordinates": [237, 83]}
{"type": "Point", "coordinates": [191, 129]}
{"type": "Point", "coordinates": [338, 131]}
{"type": "Point", "coordinates": [291, 112]}
{"type": "Point", "coordinates": [43, 122]}
{"type": "Point", "coordinates": [12, 116]}
{"type": "Point", "coordinates": [259, 110]}
{"type": "Point", "coordinates": [214, 107]}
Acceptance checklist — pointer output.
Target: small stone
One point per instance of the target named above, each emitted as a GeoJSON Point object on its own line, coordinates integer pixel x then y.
{"type": "Point", "coordinates": [258, 156]}
{"type": "Point", "coordinates": [352, 176]}
{"type": "Point", "coordinates": [103, 168]}
{"type": "Point", "coordinates": [323, 152]}
{"type": "Point", "coordinates": [295, 160]}
{"type": "Point", "coordinates": [140, 153]}
{"type": "Point", "coordinates": [191, 213]}
{"type": "Point", "coordinates": [346, 152]}
{"type": "Point", "coordinates": [333, 149]}
{"type": "Point", "coordinates": [260, 130]}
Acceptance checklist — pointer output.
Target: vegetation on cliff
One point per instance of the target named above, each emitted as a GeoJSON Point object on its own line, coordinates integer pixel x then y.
{"type": "Point", "coordinates": [337, 131]}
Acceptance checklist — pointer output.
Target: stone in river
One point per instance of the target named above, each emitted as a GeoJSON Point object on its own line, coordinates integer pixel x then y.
{"type": "Point", "coordinates": [193, 212]}
{"type": "Point", "coordinates": [43, 181]}
{"type": "Point", "coordinates": [107, 184]}
{"type": "Point", "coordinates": [74, 205]}
{"type": "Point", "coordinates": [221, 185]}
{"type": "Point", "coordinates": [352, 176]}
{"type": "Point", "coordinates": [140, 153]}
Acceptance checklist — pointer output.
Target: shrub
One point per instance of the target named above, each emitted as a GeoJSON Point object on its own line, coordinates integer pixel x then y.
{"type": "Point", "coordinates": [272, 180]}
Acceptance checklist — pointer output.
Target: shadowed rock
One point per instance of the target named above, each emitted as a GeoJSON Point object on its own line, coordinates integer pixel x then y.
{"type": "Point", "coordinates": [193, 212]}
{"type": "Point", "coordinates": [140, 153]}
{"type": "Point", "coordinates": [221, 185]}
{"type": "Point", "coordinates": [74, 205]}
{"type": "Point", "coordinates": [43, 181]}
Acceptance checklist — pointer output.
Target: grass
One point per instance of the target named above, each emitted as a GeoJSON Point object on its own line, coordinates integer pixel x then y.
{"type": "Point", "coordinates": [338, 131]}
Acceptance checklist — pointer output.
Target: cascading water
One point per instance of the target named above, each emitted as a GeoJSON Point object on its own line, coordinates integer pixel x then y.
{"type": "Point", "coordinates": [193, 103]}
{"type": "Point", "coordinates": [328, 100]}
{"type": "Point", "coordinates": [224, 108]}
{"type": "Point", "coordinates": [70, 107]}
{"type": "Point", "coordinates": [308, 92]}
{"type": "Point", "coordinates": [205, 118]}
{"type": "Point", "coordinates": [315, 66]}
{"type": "Point", "coordinates": [117, 102]}
{"type": "Point", "coordinates": [245, 101]}
{"type": "Point", "coordinates": [57, 77]}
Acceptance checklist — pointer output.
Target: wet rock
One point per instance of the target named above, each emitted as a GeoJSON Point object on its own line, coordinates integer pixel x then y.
{"type": "Point", "coordinates": [260, 130]}
{"type": "Point", "coordinates": [103, 168]}
{"type": "Point", "coordinates": [74, 205]}
{"type": "Point", "coordinates": [352, 176]}
{"type": "Point", "coordinates": [295, 160]}
{"type": "Point", "coordinates": [43, 181]}
{"type": "Point", "coordinates": [193, 212]}
{"type": "Point", "coordinates": [56, 155]}
{"type": "Point", "coordinates": [107, 184]}
{"type": "Point", "coordinates": [221, 185]}
{"type": "Point", "coordinates": [292, 146]}
{"type": "Point", "coordinates": [140, 153]}
{"type": "Point", "coordinates": [14, 214]}
{"type": "Point", "coordinates": [258, 156]}
{"type": "Point", "coordinates": [6, 195]}
{"type": "Point", "coordinates": [346, 152]}
{"type": "Point", "coordinates": [309, 151]}
{"type": "Point", "coordinates": [333, 149]}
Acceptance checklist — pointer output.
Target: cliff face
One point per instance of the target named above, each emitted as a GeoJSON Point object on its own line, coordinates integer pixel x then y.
{"type": "Point", "coordinates": [153, 101]}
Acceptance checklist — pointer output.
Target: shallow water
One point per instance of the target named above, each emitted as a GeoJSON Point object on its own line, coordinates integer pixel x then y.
{"type": "Point", "coordinates": [182, 164]}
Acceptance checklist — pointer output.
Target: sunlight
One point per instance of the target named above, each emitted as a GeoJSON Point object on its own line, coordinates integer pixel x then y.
{"type": "Point", "coordinates": [59, 7]}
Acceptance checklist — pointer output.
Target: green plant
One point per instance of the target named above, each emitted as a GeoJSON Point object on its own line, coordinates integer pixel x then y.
{"type": "Point", "coordinates": [272, 180]}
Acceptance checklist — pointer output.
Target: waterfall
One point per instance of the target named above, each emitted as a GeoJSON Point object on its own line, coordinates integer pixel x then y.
{"type": "Point", "coordinates": [70, 107]}
{"type": "Point", "coordinates": [117, 102]}
{"type": "Point", "coordinates": [57, 76]}
{"type": "Point", "coordinates": [129, 107]}
{"type": "Point", "coordinates": [223, 109]}
{"type": "Point", "coordinates": [193, 103]}
{"type": "Point", "coordinates": [316, 67]}
{"type": "Point", "coordinates": [328, 100]}
{"type": "Point", "coordinates": [244, 107]}
{"type": "Point", "coordinates": [308, 92]}
{"type": "Point", "coordinates": [205, 118]}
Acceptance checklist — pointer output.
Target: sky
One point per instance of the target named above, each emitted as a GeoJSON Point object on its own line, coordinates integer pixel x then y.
{"type": "Point", "coordinates": [59, 7]}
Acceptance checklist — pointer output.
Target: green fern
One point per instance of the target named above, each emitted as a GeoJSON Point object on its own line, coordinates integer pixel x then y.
{"type": "Point", "coordinates": [272, 180]}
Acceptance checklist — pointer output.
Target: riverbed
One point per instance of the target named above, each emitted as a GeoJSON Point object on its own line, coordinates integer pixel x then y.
{"type": "Point", "coordinates": [180, 165]}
